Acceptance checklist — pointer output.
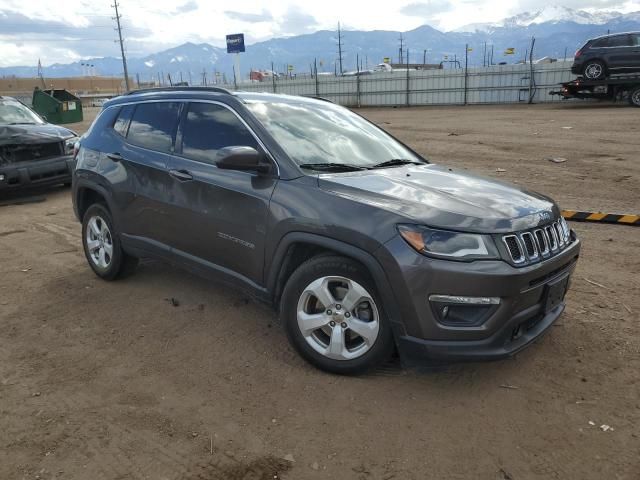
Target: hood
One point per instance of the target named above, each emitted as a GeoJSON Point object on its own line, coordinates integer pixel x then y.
{"type": "Point", "coordinates": [32, 134]}
{"type": "Point", "coordinates": [440, 197]}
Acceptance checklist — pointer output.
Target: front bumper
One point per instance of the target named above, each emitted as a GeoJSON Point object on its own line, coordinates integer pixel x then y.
{"type": "Point", "coordinates": [36, 173]}
{"type": "Point", "coordinates": [521, 317]}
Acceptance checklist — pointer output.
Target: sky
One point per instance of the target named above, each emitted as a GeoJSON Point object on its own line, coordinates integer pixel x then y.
{"type": "Point", "coordinates": [73, 30]}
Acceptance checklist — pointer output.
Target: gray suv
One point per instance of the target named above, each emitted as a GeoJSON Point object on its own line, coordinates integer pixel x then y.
{"type": "Point", "coordinates": [361, 244]}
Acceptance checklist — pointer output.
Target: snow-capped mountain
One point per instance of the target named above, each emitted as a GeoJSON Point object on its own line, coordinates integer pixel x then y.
{"type": "Point", "coordinates": [550, 13]}
{"type": "Point", "coordinates": [559, 31]}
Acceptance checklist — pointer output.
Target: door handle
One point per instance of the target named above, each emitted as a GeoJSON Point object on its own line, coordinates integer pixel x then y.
{"type": "Point", "coordinates": [181, 175]}
{"type": "Point", "coordinates": [115, 156]}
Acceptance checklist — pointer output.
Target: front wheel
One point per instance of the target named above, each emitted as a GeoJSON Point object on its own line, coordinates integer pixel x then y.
{"type": "Point", "coordinates": [595, 70]}
{"type": "Point", "coordinates": [334, 318]}
{"type": "Point", "coordinates": [634, 96]}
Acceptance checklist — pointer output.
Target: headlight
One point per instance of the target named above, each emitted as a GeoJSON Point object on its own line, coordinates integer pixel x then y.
{"type": "Point", "coordinates": [69, 143]}
{"type": "Point", "coordinates": [449, 245]}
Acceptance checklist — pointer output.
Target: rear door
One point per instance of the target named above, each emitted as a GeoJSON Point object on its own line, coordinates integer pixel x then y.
{"type": "Point", "coordinates": [150, 141]}
{"type": "Point", "coordinates": [218, 217]}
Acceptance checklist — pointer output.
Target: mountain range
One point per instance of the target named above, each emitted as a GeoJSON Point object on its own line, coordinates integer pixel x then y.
{"type": "Point", "coordinates": [557, 30]}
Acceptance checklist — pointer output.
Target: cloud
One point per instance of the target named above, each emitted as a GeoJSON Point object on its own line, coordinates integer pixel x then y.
{"type": "Point", "coordinates": [295, 22]}
{"type": "Point", "coordinates": [187, 7]}
{"type": "Point", "coordinates": [57, 41]}
{"type": "Point", "coordinates": [426, 9]}
{"type": "Point", "coordinates": [265, 16]}
{"type": "Point", "coordinates": [535, 5]}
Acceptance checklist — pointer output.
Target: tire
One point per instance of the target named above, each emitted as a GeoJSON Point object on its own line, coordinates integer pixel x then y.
{"type": "Point", "coordinates": [345, 339]}
{"type": "Point", "coordinates": [594, 70]}
{"type": "Point", "coordinates": [104, 255]}
{"type": "Point", "coordinates": [634, 96]}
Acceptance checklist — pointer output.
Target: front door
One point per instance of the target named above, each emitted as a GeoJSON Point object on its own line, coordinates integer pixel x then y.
{"type": "Point", "coordinates": [620, 53]}
{"type": "Point", "coordinates": [634, 55]}
{"type": "Point", "coordinates": [219, 216]}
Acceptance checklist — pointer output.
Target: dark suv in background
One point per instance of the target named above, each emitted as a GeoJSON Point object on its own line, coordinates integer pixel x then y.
{"type": "Point", "coordinates": [609, 54]}
{"type": "Point", "coordinates": [359, 243]}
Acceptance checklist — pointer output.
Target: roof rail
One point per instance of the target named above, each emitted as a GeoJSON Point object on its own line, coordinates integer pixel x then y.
{"type": "Point", "coordinates": [180, 89]}
{"type": "Point", "coordinates": [322, 99]}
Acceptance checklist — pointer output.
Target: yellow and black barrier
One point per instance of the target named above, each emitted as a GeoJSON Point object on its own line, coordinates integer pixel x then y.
{"type": "Point", "coordinates": [602, 217]}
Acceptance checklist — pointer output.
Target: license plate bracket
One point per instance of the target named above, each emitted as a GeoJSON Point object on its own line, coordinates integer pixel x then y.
{"type": "Point", "coordinates": [555, 292]}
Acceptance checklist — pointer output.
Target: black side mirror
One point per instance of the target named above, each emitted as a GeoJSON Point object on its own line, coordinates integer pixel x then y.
{"type": "Point", "coordinates": [242, 158]}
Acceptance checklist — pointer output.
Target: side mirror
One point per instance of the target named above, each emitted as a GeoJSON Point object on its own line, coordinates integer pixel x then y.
{"type": "Point", "coordinates": [242, 158]}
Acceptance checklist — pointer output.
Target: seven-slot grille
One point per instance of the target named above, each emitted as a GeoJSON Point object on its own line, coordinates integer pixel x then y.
{"type": "Point", "coordinates": [543, 242]}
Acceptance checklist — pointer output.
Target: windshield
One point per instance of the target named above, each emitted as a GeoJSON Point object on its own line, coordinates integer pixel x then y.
{"type": "Point", "coordinates": [13, 112]}
{"type": "Point", "coordinates": [314, 134]}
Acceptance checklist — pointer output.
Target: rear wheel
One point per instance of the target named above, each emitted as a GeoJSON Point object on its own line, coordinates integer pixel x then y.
{"type": "Point", "coordinates": [595, 70]}
{"type": "Point", "coordinates": [634, 96]}
{"type": "Point", "coordinates": [334, 317]}
{"type": "Point", "coordinates": [102, 245]}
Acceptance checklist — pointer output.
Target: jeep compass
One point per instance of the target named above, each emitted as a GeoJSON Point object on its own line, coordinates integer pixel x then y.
{"type": "Point", "coordinates": [362, 246]}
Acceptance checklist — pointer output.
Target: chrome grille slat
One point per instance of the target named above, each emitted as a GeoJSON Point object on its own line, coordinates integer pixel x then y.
{"type": "Point", "coordinates": [559, 233]}
{"type": "Point", "coordinates": [543, 247]}
{"type": "Point", "coordinates": [514, 247]}
{"type": "Point", "coordinates": [553, 239]}
{"type": "Point", "coordinates": [529, 245]}
{"type": "Point", "coordinates": [539, 244]}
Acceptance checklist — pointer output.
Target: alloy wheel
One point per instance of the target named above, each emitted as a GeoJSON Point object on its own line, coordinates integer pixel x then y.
{"type": "Point", "coordinates": [99, 242]}
{"type": "Point", "coordinates": [338, 318]}
{"type": "Point", "coordinates": [593, 71]}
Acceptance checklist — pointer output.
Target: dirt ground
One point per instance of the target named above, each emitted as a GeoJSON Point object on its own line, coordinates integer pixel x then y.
{"type": "Point", "coordinates": [112, 381]}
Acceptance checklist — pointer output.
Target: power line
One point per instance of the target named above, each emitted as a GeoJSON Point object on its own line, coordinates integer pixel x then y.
{"type": "Point", "coordinates": [124, 59]}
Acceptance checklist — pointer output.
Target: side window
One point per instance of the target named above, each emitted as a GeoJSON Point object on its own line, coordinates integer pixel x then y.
{"type": "Point", "coordinates": [153, 125]}
{"type": "Point", "coordinates": [207, 128]}
{"type": "Point", "coordinates": [620, 41]}
{"type": "Point", "coordinates": [635, 39]}
{"type": "Point", "coordinates": [122, 121]}
{"type": "Point", "coordinates": [603, 42]}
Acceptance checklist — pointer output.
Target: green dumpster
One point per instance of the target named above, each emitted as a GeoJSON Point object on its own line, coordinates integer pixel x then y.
{"type": "Point", "coordinates": [58, 106]}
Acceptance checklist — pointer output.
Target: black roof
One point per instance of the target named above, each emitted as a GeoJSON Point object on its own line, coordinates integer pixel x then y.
{"type": "Point", "coordinates": [615, 35]}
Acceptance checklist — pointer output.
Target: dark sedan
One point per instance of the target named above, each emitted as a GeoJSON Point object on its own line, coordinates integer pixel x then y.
{"type": "Point", "coordinates": [32, 152]}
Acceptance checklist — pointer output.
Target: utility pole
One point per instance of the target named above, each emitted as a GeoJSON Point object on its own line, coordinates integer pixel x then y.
{"type": "Point", "coordinates": [401, 50]}
{"type": "Point", "coordinates": [340, 48]}
{"type": "Point", "coordinates": [466, 70]}
{"type": "Point", "coordinates": [124, 59]}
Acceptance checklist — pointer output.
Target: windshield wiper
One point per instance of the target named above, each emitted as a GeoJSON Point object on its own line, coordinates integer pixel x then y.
{"type": "Point", "coordinates": [394, 162]}
{"type": "Point", "coordinates": [332, 167]}
{"type": "Point", "coordinates": [21, 123]}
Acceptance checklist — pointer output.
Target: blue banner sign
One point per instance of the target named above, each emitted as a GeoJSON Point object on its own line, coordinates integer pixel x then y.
{"type": "Point", "coordinates": [235, 43]}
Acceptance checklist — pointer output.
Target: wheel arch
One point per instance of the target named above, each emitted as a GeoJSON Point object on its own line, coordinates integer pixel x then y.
{"type": "Point", "coordinates": [296, 247]}
{"type": "Point", "coordinates": [599, 60]}
{"type": "Point", "coordinates": [88, 193]}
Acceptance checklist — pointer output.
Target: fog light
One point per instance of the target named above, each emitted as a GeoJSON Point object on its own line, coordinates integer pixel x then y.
{"type": "Point", "coordinates": [1, 177]}
{"type": "Point", "coordinates": [459, 311]}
